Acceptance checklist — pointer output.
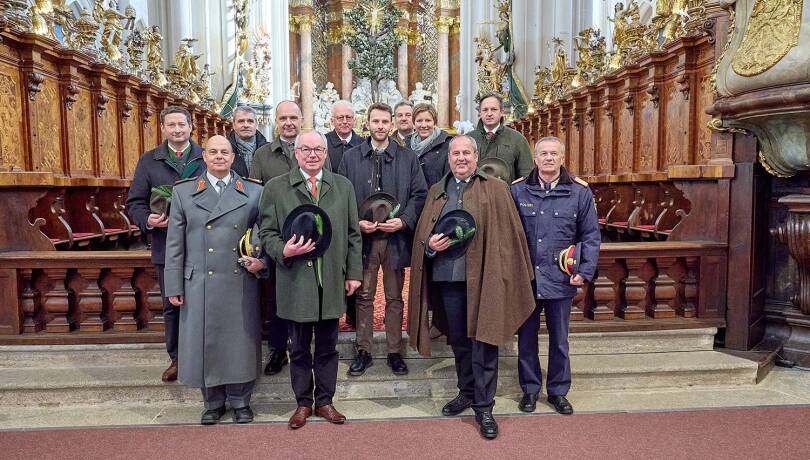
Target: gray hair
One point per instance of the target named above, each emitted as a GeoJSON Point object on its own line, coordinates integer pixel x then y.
{"type": "Point", "coordinates": [550, 139]}
{"type": "Point", "coordinates": [342, 103]}
{"type": "Point", "coordinates": [401, 103]}
{"type": "Point", "coordinates": [298, 137]}
{"type": "Point", "coordinates": [244, 109]}
{"type": "Point", "coordinates": [463, 136]}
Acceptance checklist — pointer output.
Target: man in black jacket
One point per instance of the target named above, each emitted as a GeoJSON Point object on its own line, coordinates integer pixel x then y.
{"type": "Point", "coordinates": [244, 138]}
{"type": "Point", "coordinates": [176, 158]}
{"type": "Point", "coordinates": [381, 165]}
{"type": "Point", "coordinates": [342, 138]}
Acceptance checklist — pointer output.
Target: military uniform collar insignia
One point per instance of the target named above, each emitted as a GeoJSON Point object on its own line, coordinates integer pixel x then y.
{"type": "Point", "coordinates": [201, 185]}
{"type": "Point", "coordinates": [239, 185]}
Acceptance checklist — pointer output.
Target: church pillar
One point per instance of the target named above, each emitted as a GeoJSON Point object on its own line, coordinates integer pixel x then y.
{"type": "Point", "coordinates": [402, 69]}
{"type": "Point", "coordinates": [301, 19]}
{"type": "Point", "coordinates": [448, 17]}
{"type": "Point", "coordinates": [346, 74]}
{"type": "Point", "coordinates": [338, 53]}
{"type": "Point", "coordinates": [404, 54]}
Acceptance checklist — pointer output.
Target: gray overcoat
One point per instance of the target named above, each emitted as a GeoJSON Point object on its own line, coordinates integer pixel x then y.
{"type": "Point", "coordinates": [220, 323]}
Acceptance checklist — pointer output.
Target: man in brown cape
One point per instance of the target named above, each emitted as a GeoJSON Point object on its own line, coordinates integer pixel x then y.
{"type": "Point", "coordinates": [480, 299]}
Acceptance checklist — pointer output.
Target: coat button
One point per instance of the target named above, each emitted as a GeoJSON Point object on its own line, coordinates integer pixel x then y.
{"type": "Point", "coordinates": [210, 249]}
{"type": "Point", "coordinates": [540, 240]}
{"type": "Point", "coordinates": [309, 263]}
{"type": "Point", "coordinates": [210, 273]}
{"type": "Point", "coordinates": [208, 227]}
{"type": "Point", "coordinates": [235, 226]}
{"type": "Point", "coordinates": [541, 212]}
{"type": "Point", "coordinates": [236, 272]}
{"type": "Point", "coordinates": [233, 249]}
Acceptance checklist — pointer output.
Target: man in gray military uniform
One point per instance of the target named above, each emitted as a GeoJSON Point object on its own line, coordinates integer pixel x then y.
{"type": "Point", "coordinates": [216, 290]}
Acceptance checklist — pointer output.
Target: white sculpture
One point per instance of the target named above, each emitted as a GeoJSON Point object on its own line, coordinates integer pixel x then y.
{"type": "Point", "coordinates": [361, 96]}
{"type": "Point", "coordinates": [389, 94]}
{"type": "Point", "coordinates": [323, 108]}
{"type": "Point", "coordinates": [422, 96]}
{"type": "Point", "coordinates": [463, 127]}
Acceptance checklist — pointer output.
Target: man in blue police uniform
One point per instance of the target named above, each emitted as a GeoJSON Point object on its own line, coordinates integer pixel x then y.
{"type": "Point", "coordinates": [556, 210]}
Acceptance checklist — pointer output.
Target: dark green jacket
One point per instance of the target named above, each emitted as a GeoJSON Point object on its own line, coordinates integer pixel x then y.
{"type": "Point", "coordinates": [296, 282]}
{"type": "Point", "coordinates": [269, 161]}
{"type": "Point", "coordinates": [508, 145]}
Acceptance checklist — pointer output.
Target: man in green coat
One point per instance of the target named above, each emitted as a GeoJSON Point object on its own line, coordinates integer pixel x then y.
{"type": "Point", "coordinates": [495, 139]}
{"type": "Point", "coordinates": [312, 294]}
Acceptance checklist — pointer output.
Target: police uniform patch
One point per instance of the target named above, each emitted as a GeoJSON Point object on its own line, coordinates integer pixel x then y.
{"type": "Point", "coordinates": [518, 180]}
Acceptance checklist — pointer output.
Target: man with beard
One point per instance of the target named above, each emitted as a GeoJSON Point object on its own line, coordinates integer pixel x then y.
{"type": "Point", "coordinates": [245, 139]}
{"type": "Point", "coordinates": [176, 158]}
{"type": "Point", "coordinates": [379, 165]}
{"type": "Point", "coordinates": [272, 160]}
{"type": "Point", "coordinates": [495, 139]}
{"type": "Point", "coordinates": [479, 297]}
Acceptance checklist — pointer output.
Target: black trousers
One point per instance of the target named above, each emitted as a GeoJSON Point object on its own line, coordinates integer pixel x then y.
{"type": "Point", "coordinates": [277, 330]}
{"type": "Point", "coordinates": [313, 377]}
{"type": "Point", "coordinates": [171, 318]}
{"type": "Point", "coordinates": [476, 362]}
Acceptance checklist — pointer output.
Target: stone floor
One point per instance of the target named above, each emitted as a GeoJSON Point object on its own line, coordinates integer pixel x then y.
{"type": "Point", "coordinates": [782, 387]}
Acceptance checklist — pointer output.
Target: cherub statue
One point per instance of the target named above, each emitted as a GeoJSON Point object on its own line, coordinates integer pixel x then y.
{"type": "Point", "coordinates": [186, 60]}
{"type": "Point", "coordinates": [41, 17]}
{"type": "Point", "coordinates": [361, 95]}
{"type": "Point", "coordinates": [388, 92]}
{"type": "Point", "coordinates": [111, 34]}
{"type": "Point", "coordinates": [421, 95]}
{"type": "Point", "coordinates": [323, 108]}
{"type": "Point", "coordinates": [154, 57]}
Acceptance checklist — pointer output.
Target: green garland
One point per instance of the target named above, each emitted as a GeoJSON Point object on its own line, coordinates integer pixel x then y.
{"type": "Point", "coordinates": [374, 48]}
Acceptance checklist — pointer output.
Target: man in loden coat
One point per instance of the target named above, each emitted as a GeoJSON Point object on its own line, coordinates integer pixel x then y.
{"type": "Point", "coordinates": [220, 322]}
{"type": "Point", "coordinates": [178, 157]}
{"type": "Point", "coordinates": [312, 293]}
{"type": "Point", "coordinates": [480, 299]}
{"type": "Point", "coordinates": [495, 139]}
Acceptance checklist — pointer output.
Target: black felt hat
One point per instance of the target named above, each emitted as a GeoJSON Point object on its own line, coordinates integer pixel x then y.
{"type": "Point", "coordinates": [304, 221]}
{"type": "Point", "coordinates": [379, 207]}
{"type": "Point", "coordinates": [459, 225]}
{"type": "Point", "coordinates": [495, 167]}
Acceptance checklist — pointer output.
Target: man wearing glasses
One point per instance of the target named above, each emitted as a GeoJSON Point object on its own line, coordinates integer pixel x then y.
{"type": "Point", "coordinates": [312, 293]}
{"type": "Point", "coordinates": [342, 137]}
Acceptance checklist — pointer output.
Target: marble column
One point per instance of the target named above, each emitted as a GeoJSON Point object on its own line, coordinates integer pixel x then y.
{"type": "Point", "coordinates": [402, 68]}
{"type": "Point", "coordinates": [443, 24]}
{"type": "Point", "coordinates": [273, 20]}
{"type": "Point", "coordinates": [346, 73]}
{"type": "Point", "coordinates": [304, 27]}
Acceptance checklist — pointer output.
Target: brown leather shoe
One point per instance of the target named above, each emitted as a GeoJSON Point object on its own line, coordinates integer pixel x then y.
{"type": "Point", "coordinates": [299, 417]}
{"type": "Point", "coordinates": [330, 414]}
{"type": "Point", "coordinates": [170, 374]}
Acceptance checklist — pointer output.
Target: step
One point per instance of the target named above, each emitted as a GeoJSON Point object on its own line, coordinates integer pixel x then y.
{"type": "Point", "coordinates": [583, 343]}
{"type": "Point", "coordinates": [428, 377]}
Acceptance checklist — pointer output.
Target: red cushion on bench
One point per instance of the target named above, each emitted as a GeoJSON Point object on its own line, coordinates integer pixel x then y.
{"type": "Point", "coordinates": [82, 235]}
{"type": "Point", "coordinates": [621, 224]}
{"type": "Point", "coordinates": [602, 221]}
{"type": "Point", "coordinates": [645, 227]}
{"type": "Point", "coordinates": [113, 230]}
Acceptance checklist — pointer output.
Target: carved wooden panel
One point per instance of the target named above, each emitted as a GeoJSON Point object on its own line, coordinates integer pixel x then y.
{"type": "Point", "coordinates": [46, 129]}
{"type": "Point", "coordinates": [151, 130]}
{"type": "Point", "coordinates": [574, 149]}
{"type": "Point", "coordinates": [648, 127]}
{"type": "Point", "coordinates": [131, 141]}
{"type": "Point", "coordinates": [562, 133]}
{"type": "Point", "coordinates": [108, 138]}
{"type": "Point", "coordinates": [80, 133]}
{"type": "Point", "coordinates": [12, 153]}
{"type": "Point", "coordinates": [676, 130]}
{"type": "Point", "coordinates": [604, 151]}
{"type": "Point", "coordinates": [705, 98]}
{"type": "Point", "coordinates": [625, 142]}
{"type": "Point", "coordinates": [588, 142]}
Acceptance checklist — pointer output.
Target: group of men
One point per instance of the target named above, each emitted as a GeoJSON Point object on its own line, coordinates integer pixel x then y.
{"type": "Point", "coordinates": [479, 291]}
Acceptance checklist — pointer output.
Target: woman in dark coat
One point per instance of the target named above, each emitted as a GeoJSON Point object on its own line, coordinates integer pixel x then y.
{"type": "Point", "coordinates": [430, 143]}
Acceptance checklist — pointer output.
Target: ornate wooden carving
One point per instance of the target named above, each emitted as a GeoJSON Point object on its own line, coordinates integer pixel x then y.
{"type": "Point", "coordinates": [85, 293]}
{"type": "Point", "coordinates": [119, 298]}
{"type": "Point", "coordinates": [34, 86]}
{"type": "Point", "coordinates": [795, 233]}
{"type": "Point", "coordinates": [126, 108]}
{"type": "Point", "coordinates": [71, 89]}
{"type": "Point", "coordinates": [683, 85]}
{"type": "Point", "coordinates": [101, 104]}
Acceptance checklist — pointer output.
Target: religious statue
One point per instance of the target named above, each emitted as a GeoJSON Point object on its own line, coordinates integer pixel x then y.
{"type": "Point", "coordinates": [258, 73]}
{"type": "Point", "coordinates": [111, 34]}
{"type": "Point", "coordinates": [669, 18]}
{"type": "Point", "coordinates": [241, 11]}
{"type": "Point", "coordinates": [154, 57]}
{"type": "Point", "coordinates": [186, 60]}
{"type": "Point", "coordinates": [65, 22]}
{"type": "Point", "coordinates": [361, 96]}
{"type": "Point", "coordinates": [490, 72]}
{"type": "Point", "coordinates": [590, 46]}
{"type": "Point", "coordinates": [420, 95]}
{"type": "Point", "coordinates": [631, 38]}
{"type": "Point", "coordinates": [323, 108]}
{"type": "Point", "coordinates": [542, 86]}
{"type": "Point", "coordinates": [202, 88]}
{"type": "Point", "coordinates": [388, 93]}
{"type": "Point", "coordinates": [86, 30]}
{"type": "Point", "coordinates": [41, 18]}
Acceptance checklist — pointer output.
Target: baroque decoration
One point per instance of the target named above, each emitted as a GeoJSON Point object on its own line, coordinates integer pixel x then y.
{"type": "Point", "coordinates": [373, 38]}
{"type": "Point", "coordinates": [773, 29]}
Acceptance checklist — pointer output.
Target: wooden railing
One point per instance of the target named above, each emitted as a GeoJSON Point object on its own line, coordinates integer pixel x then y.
{"type": "Point", "coordinates": [69, 292]}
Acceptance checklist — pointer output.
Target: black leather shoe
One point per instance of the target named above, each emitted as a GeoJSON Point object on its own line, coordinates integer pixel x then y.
{"type": "Point", "coordinates": [397, 364]}
{"type": "Point", "coordinates": [528, 403]}
{"type": "Point", "coordinates": [212, 416]}
{"type": "Point", "coordinates": [243, 415]}
{"type": "Point", "coordinates": [487, 425]}
{"type": "Point", "coordinates": [362, 362]}
{"type": "Point", "coordinates": [458, 405]}
{"type": "Point", "coordinates": [561, 405]}
{"type": "Point", "coordinates": [276, 361]}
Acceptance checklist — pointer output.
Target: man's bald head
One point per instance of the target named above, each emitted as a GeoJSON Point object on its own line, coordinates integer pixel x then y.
{"type": "Point", "coordinates": [288, 120]}
{"type": "Point", "coordinates": [218, 156]}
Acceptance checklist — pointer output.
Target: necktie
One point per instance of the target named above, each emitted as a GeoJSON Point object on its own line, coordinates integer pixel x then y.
{"type": "Point", "coordinates": [313, 189]}
{"type": "Point", "coordinates": [178, 154]}
{"type": "Point", "coordinates": [220, 186]}
{"type": "Point", "coordinates": [490, 135]}
{"type": "Point", "coordinates": [344, 141]}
